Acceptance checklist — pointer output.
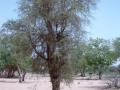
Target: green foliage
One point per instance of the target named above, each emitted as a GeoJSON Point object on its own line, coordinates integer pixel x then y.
{"type": "Point", "coordinates": [5, 53]}
{"type": "Point", "coordinates": [116, 47]}
{"type": "Point", "coordinates": [67, 72]}
{"type": "Point", "coordinates": [21, 51]}
{"type": "Point", "coordinates": [14, 51]}
{"type": "Point", "coordinates": [78, 57]}
{"type": "Point", "coordinates": [49, 26]}
{"type": "Point", "coordinates": [99, 55]}
{"type": "Point", "coordinates": [93, 56]}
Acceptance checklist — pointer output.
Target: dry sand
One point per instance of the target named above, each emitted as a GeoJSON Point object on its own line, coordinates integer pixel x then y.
{"type": "Point", "coordinates": [43, 83]}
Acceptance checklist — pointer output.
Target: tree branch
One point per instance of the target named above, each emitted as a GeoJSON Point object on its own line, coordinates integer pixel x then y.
{"type": "Point", "coordinates": [34, 47]}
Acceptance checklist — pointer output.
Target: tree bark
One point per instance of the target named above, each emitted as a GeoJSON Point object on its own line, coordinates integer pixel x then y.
{"type": "Point", "coordinates": [100, 75]}
{"type": "Point", "coordinates": [55, 75]}
{"type": "Point", "coordinates": [83, 73]}
{"type": "Point", "coordinates": [20, 77]}
{"type": "Point", "coordinates": [23, 76]}
{"type": "Point", "coordinates": [55, 83]}
{"type": "Point", "coordinates": [20, 74]}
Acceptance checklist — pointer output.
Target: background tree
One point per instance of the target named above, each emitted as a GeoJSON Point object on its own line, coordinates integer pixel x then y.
{"type": "Point", "coordinates": [100, 55]}
{"type": "Point", "coordinates": [116, 47]}
{"type": "Point", "coordinates": [79, 61]}
{"type": "Point", "coordinates": [14, 55]}
{"type": "Point", "coordinates": [21, 53]}
{"type": "Point", "coordinates": [50, 26]}
{"type": "Point", "coordinates": [7, 68]}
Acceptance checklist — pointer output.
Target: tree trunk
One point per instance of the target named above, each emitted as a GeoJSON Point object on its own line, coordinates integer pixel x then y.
{"type": "Point", "coordinates": [100, 75]}
{"type": "Point", "coordinates": [116, 83]}
{"type": "Point", "coordinates": [90, 75]}
{"type": "Point", "coordinates": [10, 74]}
{"type": "Point", "coordinates": [55, 75]}
{"type": "Point", "coordinates": [20, 77]}
{"type": "Point", "coordinates": [23, 76]}
{"type": "Point", "coordinates": [82, 73]}
{"type": "Point", "coordinates": [19, 73]}
{"type": "Point", "coordinates": [55, 83]}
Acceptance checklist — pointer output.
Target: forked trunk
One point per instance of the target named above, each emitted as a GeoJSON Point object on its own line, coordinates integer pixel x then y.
{"type": "Point", "coordinates": [55, 75]}
{"type": "Point", "coordinates": [21, 74]}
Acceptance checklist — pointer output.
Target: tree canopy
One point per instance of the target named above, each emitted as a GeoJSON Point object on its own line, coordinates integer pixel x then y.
{"type": "Point", "coordinates": [50, 27]}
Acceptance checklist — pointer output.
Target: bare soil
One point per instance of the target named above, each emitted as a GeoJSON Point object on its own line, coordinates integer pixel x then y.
{"type": "Point", "coordinates": [43, 83]}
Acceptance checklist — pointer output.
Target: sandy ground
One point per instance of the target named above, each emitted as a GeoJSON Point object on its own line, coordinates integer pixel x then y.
{"type": "Point", "coordinates": [43, 83]}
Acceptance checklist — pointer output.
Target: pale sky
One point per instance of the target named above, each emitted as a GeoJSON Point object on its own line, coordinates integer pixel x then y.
{"type": "Point", "coordinates": [105, 24]}
{"type": "Point", "coordinates": [8, 10]}
{"type": "Point", "coordinates": [106, 21]}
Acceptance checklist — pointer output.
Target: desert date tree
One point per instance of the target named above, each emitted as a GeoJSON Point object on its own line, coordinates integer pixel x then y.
{"type": "Point", "coordinates": [50, 26]}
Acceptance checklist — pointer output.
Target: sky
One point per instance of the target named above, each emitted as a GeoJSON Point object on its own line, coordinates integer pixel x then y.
{"type": "Point", "coordinates": [104, 24]}
{"type": "Point", "coordinates": [8, 10]}
{"type": "Point", "coordinates": [106, 20]}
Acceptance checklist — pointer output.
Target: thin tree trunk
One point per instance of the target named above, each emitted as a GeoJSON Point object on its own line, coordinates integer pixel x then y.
{"type": "Point", "coordinates": [19, 73]}
{"type": "Point", "coordinates": [100, 75]}
{"type": "Point", "coordinates": [83, 73]}
{"type": "Point", "coordinates": [20, 78]}
{"type": "Point", "coordinates": [23, 76]}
